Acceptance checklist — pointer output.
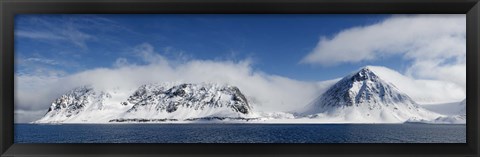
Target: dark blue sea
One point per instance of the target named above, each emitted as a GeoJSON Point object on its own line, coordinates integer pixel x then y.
{"type": "Point", "coordinates": [240, 133]}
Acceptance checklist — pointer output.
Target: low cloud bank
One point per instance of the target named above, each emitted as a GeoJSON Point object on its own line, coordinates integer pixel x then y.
{"type": "Point", "coordinates": [266, 92]}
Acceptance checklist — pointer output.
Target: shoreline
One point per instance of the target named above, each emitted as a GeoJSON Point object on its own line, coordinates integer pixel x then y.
{"type": "Point", "coordinates": [243, 123]}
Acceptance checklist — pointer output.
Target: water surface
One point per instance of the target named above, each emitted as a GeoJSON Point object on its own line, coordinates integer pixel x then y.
{"type": "Point", "coordinates": [240, 133]}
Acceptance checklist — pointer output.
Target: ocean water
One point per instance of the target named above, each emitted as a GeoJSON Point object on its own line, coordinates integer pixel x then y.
{"type": "Point", "coordinates": [240, 133]}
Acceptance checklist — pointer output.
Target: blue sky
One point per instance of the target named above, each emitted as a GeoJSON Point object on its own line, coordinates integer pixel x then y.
{"type": "Point", "coordinates": [275, 43]}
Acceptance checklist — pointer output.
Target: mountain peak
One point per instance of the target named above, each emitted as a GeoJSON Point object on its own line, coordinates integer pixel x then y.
{"type": "Point", "coordinates": [363, 87]}
{"type": "Point", "coordinates": [368, 67]}
{"type": "Point", "coordinates": [366, 73]}
{"type": "Point", "coordinates": [364, 95]}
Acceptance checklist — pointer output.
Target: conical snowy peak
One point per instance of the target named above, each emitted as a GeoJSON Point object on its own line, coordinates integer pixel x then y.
{"type": "Point", "coordinates": [364, 74]}
{"type": "Point", "coordinates": [363, 87]}
{"type": "Point", "coordinates": [367, 96]}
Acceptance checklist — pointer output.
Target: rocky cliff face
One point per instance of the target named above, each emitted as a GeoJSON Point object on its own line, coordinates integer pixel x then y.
{"type": "Point", "coordinates": [167, 101]}
{"type": "Point", "coordinates": [150, 101]}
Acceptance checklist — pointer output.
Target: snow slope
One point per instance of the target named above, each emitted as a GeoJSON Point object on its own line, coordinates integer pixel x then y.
{"type": "Point", "coordinates": [81, 104]}
{"type": "Point", "coordinates": [365, 97]}
{"type": "Point", "coordinates": [454, 108]}
{"type": "Point", "coordinates": [421, 91]}
{"type": "Point", "coordinates": [455, 119]}
{"type": "Point", "coordinates": [453, 113]}
{"type": "Point", "coordinates": [149, 102]}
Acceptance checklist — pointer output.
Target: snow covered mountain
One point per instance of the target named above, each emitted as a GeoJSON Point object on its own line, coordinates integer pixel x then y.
{"type": "Point", "coordinates": [75, 103]}
{"type": "Point", "coordinates": [365, 97]}
{"type": "Point", "coordinates": [187, 101]}
{"type": "Point", "coordinates": [151, 102]}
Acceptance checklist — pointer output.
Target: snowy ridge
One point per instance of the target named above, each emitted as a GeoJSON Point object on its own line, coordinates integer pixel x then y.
{"type": "Point", "coordinates": [74, 103]}
{"type": "Point", "coordinates": [187, 101]}
{"type": "Point", "coordinates": [151, 101]}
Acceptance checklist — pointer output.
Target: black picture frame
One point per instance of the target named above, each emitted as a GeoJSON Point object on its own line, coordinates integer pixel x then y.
{"type": "Point", "coordinates": [9, 8]}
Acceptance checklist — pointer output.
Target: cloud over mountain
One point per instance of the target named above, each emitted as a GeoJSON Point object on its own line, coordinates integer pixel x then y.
{"type": "Point", "coordinates": [435, 45]}
{"type": "Point", "coordinates": [268, 92]}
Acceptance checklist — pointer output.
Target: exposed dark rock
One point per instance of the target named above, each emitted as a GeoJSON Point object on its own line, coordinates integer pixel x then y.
{"type": "Point", "coordinates": [74, 101]}
{"type": "Point", "coordinates": [362, 88]}
{"type": "Point", "coordinates": [195, 96]}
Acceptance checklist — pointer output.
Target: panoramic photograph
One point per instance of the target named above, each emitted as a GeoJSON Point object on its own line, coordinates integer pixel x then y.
{"type": "Point", "coordinates": [240, 78]}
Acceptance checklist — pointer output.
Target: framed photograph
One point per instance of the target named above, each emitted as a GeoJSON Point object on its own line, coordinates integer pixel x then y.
{"type": "Point", "coordinates": [239, 78]}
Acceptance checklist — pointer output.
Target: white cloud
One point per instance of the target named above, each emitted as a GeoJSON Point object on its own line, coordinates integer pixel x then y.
{"type": "Point", "coordinates": [179, 55]}
{"type": "Point", "coordinates": [34, 94]}
{"type": "Point", "coordinates": [42, 60]}
{"type": "Point", "coordinates": [435, 44]}
{"type": "Point", "coordinates": [38, 35]}
{"type": "Point", "coordinates": [148, 54]}
{"type": "Point", "coordinates": [37, 65]}
{"type": "Point", "coordinates": [72, 30]}
{"type": "Point", "coordinates": [268, 92]}
{"type": "Point", "coordinates": [68, 34]}
{"type": "Point", "coordinates": [75, 36]}
{"type": "Point", "coordinates": [120, 62]}
{"type": "Point", "coordinates": [24, 116]}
